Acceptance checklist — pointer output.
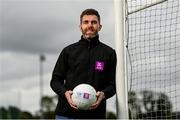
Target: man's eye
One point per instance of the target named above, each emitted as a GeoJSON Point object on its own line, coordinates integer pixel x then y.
{"type": "Point", "coordinates": [94, 22]}
{"type": "Point", "coordinates": [85, 22]}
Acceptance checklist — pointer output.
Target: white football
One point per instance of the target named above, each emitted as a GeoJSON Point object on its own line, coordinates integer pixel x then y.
{"type": "Point", "coordinates": [84, 95]}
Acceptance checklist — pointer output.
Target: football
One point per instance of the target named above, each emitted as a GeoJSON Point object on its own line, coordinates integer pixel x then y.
{"type": "Point", "coordinates": [84, 95]}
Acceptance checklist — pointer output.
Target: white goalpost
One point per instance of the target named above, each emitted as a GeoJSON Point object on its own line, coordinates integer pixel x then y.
{"type": "Point", "coordinates": [120, 38]}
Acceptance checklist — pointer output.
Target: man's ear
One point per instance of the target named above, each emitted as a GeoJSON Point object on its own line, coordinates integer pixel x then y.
{"type": "Point", "coordinates": [100, 27]}
{"type": "Point", "coordinates": [80, 28]}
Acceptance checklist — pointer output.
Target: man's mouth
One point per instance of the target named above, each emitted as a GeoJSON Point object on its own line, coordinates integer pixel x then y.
{"type": "Point", "coordinates": [89, 31]}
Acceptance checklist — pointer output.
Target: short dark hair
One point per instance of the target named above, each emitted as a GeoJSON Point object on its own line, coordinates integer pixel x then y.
{"type": "Point", "coordinates": [90, 12]}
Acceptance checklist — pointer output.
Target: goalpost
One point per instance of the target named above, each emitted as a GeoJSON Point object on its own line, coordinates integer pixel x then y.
{"type": "Point", "coordinates": [121, 81]}
{"type": "Point", "coordinates": [148, 57]}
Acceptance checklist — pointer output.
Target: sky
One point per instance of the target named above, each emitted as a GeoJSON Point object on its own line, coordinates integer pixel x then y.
{"type": "Point", "coordinates": [29, 28]}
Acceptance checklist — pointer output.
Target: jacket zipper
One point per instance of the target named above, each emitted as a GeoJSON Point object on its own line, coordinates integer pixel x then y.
{"type": "Point", "coordinates": [89, 49]}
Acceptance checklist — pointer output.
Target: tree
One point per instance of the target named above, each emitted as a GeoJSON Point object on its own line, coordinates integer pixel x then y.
{"type": "Point", "coordinates": [134, 105]}
{"type": "Point", "coordinates": [148, 105]}
{"type": "Point", "coordinates": [14, 112]}
{"type": "Point", "coordinates": [164, 106]}
{"type": "Point", "coordinates": [48, 105]}
{"type": "Point", "coordinates": [110, 115]}
{"type": "Point", "coordinates": [25, 115]}
{"type": "Point", "coordinates": [11, 112]}
{"type": "Point", "coordinates": [3, 113]}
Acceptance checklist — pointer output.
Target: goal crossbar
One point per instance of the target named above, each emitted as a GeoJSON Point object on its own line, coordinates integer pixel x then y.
{"type": "Point", "coordinates": [142, 7]}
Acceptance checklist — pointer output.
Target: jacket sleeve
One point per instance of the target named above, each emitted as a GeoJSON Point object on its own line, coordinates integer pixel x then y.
{"type": "Point", "coordinates": [58, 75]}
{"type": "Point", "coordinates": [110, 90]}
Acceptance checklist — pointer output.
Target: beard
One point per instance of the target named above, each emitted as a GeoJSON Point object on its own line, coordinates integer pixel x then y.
{"type": "Point", "coordinates": [89, 33]}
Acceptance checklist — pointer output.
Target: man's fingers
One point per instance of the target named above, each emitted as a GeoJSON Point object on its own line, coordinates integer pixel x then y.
{"type": "Point", "coordinates": [100, 97]}
{"type": "Point", "coordinates": [73, 106]}
{"type": "Point", "coordinates": [68, 95]}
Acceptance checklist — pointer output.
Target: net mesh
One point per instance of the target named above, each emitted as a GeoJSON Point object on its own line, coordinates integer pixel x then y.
{"type": "Point", "coordinates": [154, 59]}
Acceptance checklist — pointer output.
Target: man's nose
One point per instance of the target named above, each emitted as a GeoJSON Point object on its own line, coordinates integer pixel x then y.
{"type": "Point", "coordinates": [90, 24]}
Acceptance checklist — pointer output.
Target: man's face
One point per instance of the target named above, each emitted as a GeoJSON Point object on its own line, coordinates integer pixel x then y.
{"type": "Point", "coordinates": [90, 26]}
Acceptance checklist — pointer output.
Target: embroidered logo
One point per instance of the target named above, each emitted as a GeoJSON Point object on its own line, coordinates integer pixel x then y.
{"type": "Point", "coordinates": [99, 65]}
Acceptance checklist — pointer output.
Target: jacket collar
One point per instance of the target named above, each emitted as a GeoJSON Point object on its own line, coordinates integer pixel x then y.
{"type": "Point", "coordinates": [91, 42]}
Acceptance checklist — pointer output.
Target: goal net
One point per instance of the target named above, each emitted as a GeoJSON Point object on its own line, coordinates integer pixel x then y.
{"type": "Point", "coordinates": [153, 59]}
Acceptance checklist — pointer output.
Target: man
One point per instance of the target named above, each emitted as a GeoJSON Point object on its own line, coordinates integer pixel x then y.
{"type": "Point", "coordinates": [86, 61]}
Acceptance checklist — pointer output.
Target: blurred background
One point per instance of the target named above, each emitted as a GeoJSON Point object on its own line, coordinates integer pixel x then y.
{"type": "Point", "coordinates": [33, 33]}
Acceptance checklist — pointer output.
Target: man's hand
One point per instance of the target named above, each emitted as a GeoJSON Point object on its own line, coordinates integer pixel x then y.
{"type": "Point", "coordinates": [100, 96]}
{"type": "Point", "coordinates": [68, 95]}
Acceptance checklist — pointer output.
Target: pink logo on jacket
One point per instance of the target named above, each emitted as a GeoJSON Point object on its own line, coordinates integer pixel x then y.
{"type": "Point", "coordinates": [99, 66]}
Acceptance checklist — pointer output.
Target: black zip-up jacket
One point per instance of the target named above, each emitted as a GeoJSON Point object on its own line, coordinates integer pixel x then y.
{"type": "Point", "coordinates": [90, 62]}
